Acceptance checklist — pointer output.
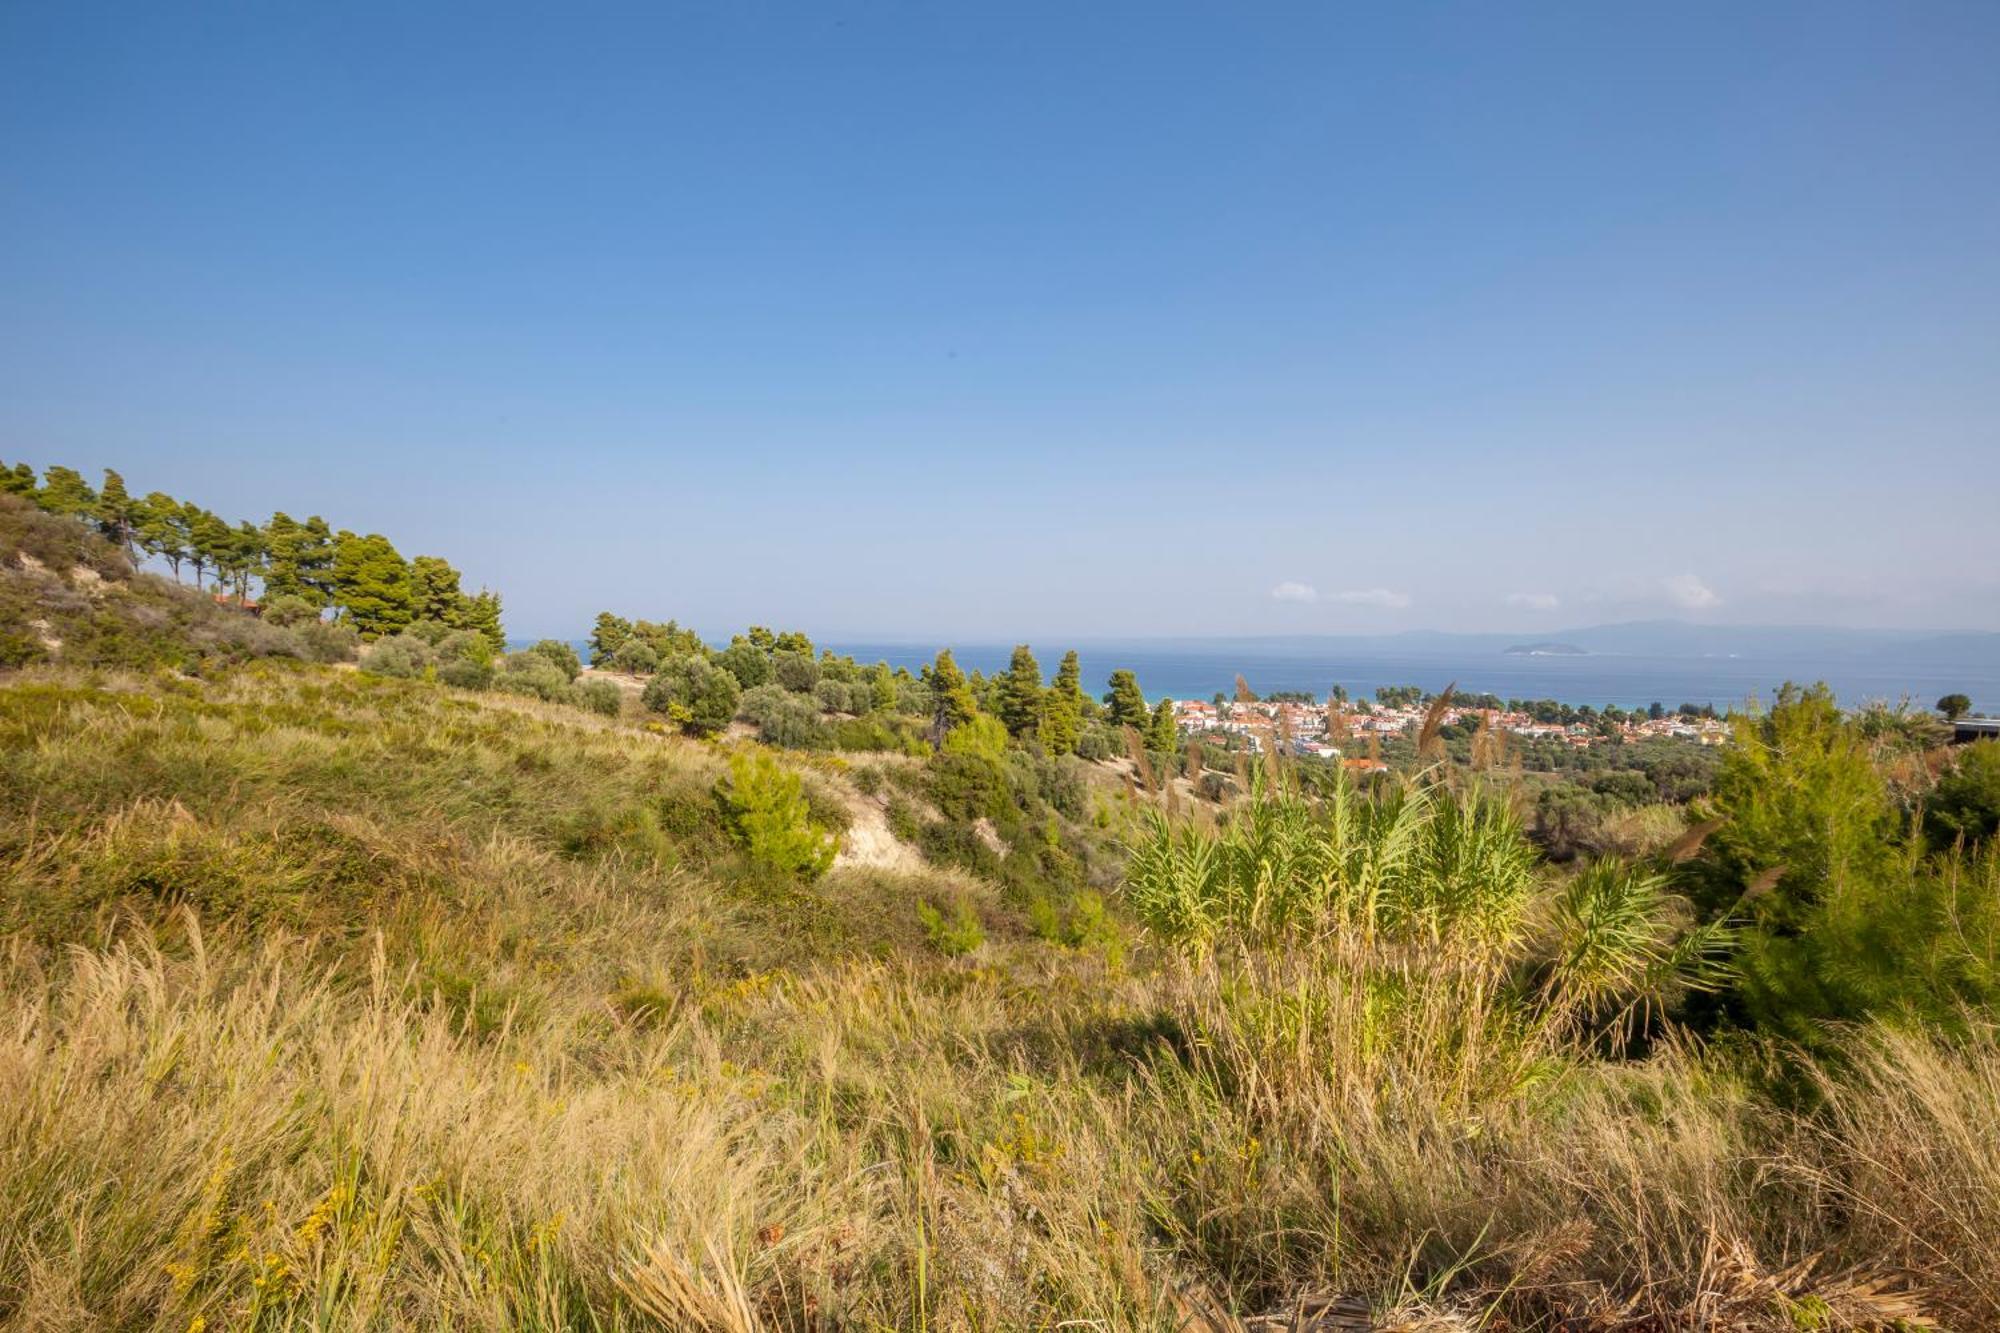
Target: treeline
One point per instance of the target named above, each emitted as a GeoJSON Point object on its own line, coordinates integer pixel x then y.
{"type": "Point", "coordinates": [781, 683]}
{"type": "Point", "coordinates": [302, 571]}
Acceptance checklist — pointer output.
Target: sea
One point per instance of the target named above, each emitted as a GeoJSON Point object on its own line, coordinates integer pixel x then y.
{"type": "Point", "coordinates": [1198, 669]}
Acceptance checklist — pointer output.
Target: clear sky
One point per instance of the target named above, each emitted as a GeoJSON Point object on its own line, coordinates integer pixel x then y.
{"type": "Point", "coordinates": [1001, 320]}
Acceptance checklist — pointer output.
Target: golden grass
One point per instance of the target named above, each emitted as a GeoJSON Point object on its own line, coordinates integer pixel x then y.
{"type": "Point", "coordinates": [338, 1004]}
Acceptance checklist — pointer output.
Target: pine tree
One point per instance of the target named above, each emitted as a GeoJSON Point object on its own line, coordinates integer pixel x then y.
{"type": "Point", "coordinates": [1161, 733]}
{"type": "Point", "coordinates": [952, 697]}
{"type": "Point", "coordinates": [1128, 704]}
{"type": "Point", "coordinates": [115, 511]}
{"type": "Point", "coordinates": [162, 530]}
{"type": "Point", "coordinates": [64, 491]}
{"type": "Point", "coordinates": [315, 561]}
{"type": "Point", "coordinates": [607, 637]}
{"type": "Point", "coordinates": [882, 688]}
{"type": "Point", "coordinates": [372, 584]}
{"type": "Point", "coordinates": [210, 540]}
{"type": "Point", "coordinates": [1061, 725]}
{"type": "Point", "coordinates": [1021, 693]}
{"type": "Point", "coordinates": [286, 545]}
{"type": "Point", "coordinates": [434, 585]}
{"type": "Point", "coordinates": [482, 615]}
{"type": "Point", "coordinates": [18, 480]}
{"type": "Point", "coordinates": [247, 557]}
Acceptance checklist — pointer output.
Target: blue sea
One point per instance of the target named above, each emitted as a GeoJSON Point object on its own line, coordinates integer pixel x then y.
{"type": "Point", "coordinates": [1197, 669]}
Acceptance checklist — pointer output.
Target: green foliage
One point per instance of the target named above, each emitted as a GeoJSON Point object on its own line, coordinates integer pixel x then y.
{"type": "Point", "coordinates": [328, 642]}
{"type": "Point", "coordinates": [601, 697]}
{"type": "Point", "coordinates": [696, 694]}
{"type": "Point", "coordinates": [1126, 702]}
{"type": "Point", "coordinates": [372, 585]}
{"type": "Point", "coordinates": [1843, 915]}
{"type": "Point", "coordinates": [534, 676]}
{"type": "Point", "coordinates": [561, 655]}
{"type": "Point", "coordinates": [480, 613]}
{"type": "Point", "coordinates": [1415, 862]}
{"type": "Point", "coordinates": [1954, 706]}
{"type": "Point", "coordinates": [634, 657]}
{"type": "Point", "coordinates": [65, 492]}
{"type": "Point", "coordinates": [1162, 734]}
{"type": "Point", "coordinates": [952, 703]}
{"type": "Point", "coordinates": [403, 656]}
{"type": "Point", "coordinates": [434, 590]}
{"type": "Point", "coordinates": [796, 671]}
{"type": "Point", "coordinates": [608, 635]}
{"type": "Point", "coordinates": [766, 810]}
{"type": "Point", "coordinates": [749, 664]}
{"type": "Point", "coordinates": [982, 737]}
{"type": "Point", "coordinates": [954, 933]}
{"type": "Point", "coordinates": [1966, 802]}
{"type": "Point", "coordinates": [782, 718]}
{"type": "Point", "coordinates": [465, 673]}
{"type": "Point", "coordinates": [1021, 693]}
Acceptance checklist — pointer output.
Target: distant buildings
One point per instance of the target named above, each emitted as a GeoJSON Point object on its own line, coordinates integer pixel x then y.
{"type": "Point", "coordinates": [1303, 727]}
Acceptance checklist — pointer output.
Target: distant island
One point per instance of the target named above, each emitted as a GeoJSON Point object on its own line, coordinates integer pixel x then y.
{"type": "Point", "coordinates": [1547, 650]}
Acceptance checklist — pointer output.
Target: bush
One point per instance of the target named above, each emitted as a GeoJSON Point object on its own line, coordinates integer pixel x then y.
{"type": "Point", "coordinates": [465, 673]}
{"type": "Point", "coordinates": [403, 656]}
{"type": "Point", "coordinates": [432, 632]}
{"type": "Point", "coordinates": [464, 645]}
{"type": "Point", "coordinates": [561, 655]}
{"type": "Point", "coordinates": [326, 641]}
{"type": "Point", "coordinates": [1966, 803]}
{"type": "Point", "coordinates": [600, 696]}
{"type": "Point", "coordinates": [797, 672]}
{"type": "Point", "coordinates": [696, 694]}
{"type": "Point", "coordinates": [765, 807]}
{"type": "Point", "coordinates": [902, 819]}
{"type": "Point", "coordinates": [635, 657]}
{"type": "Point", "coordinates": [782, 718]}
{"type": "Point", "coordinates": [287, 610]}
{"type": "Point", "coordinates": [747, 663]}
{"type": "Point", "coordinates": [954, 935]}
{"type": "Point", "coordinates": [982, 737]}
{"type": "Point", "coordinates": [837, 696]}
{"type": "Point", "coordinates": [533, 676]}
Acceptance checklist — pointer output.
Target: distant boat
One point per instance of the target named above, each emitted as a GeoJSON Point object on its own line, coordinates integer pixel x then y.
{"type": "Point", "coordinates": [1548, 650]}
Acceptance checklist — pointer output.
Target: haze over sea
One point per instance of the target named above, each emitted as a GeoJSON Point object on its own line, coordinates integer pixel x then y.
{"type": "Point", "coordinates": [1197, 669]}
{"type": "Point", "coordinates": [1858, 668]}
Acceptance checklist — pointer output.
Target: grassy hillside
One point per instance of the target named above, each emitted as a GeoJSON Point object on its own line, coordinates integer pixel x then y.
{"type": "Point", "coordinates": [334, 1001]}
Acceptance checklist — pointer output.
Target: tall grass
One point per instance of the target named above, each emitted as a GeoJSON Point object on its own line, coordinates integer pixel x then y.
{"type": "Point", "coordinates": [343, 1004]}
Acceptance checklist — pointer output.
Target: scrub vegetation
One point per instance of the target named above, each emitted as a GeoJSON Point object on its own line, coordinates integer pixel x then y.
{"type": "Point", "coordinates": [335, 998]}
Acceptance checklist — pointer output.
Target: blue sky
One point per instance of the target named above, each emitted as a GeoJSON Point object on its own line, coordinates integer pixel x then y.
{"type": "Point", "coordinates": [993, 321]}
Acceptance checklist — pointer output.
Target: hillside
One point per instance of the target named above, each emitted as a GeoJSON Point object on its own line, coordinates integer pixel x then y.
{"type": "Point", "coordinates": [446, 992]}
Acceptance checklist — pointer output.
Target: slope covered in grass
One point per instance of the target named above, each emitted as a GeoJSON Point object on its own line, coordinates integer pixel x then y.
{"type": "Point", "coordinates": [332, 1001]}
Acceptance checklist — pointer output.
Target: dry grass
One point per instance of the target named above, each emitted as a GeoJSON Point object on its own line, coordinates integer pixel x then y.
{"type": "Point", "coordinates": [340, 1004]}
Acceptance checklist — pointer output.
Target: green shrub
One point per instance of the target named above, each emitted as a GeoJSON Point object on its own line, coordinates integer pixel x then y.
{"type": "Point", "coordinates": [327, 641]}
{"type": "Point", "coordinates": [765, 806]}
{"type": "Point", "coordinates": [1966, 802]}
{"type": "Point", "coordinates": [696, 694]}
{"type": "Point", "coordinates": [955, 934]}
{"type": "Point", "coordinates": [465, 674]}
{"type": "Point", "coordinates": [783, 719]}
{"type": "Point", "coordinates": [532, 675]}
{"type": "Point", "coordinates": [957, 846]}
{"type": "Point", "coordinates": [561, 655]}
{"type": "Point", "coordinates": [902, 819]}
{"type": "Point", "coordinates": [600, 696]}
{"type": "Point", "coordinates": [797, 672]}
{"type": "Point", "coordinates": [635, 657]}
{"type": "Point", "coordinates": [403, 656]}
{"type": "Point", "coordinates": [982, 737]}
{"type": "Point", "coordinates": [747, 663]}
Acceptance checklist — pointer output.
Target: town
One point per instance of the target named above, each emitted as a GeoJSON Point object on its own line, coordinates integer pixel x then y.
{"type": "Point", "coordinates": [1307, 727]}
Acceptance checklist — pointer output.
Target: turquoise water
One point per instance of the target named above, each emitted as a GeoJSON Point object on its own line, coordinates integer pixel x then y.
{"type": "Point", "coordinates": [1196, 670]}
